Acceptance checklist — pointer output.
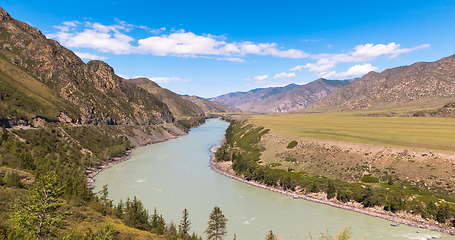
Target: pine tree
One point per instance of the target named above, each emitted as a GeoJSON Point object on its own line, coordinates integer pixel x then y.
{"type": "Point", "coordinates": [331, 190]}
{"type": "Point", "coordinates": [157, 223]}
{"type": "Point", "coordinates": [184, 227]}
{"type": "Point", "coordinates": [38, 215]}
{"type": "Point", "coordinates": [270, 236]}
{"type": "Point", "coordinates": [216, 229]}
{"type": "Point", "coordinates": [104, 200]}
{"type": "Point", "coordinates": [119, 210]}
{"type": "Point", "coordinates": [135, 215]}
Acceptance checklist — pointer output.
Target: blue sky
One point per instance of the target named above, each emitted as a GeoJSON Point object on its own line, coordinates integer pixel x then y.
{"type": "Point", "coordinates": [208, 48]}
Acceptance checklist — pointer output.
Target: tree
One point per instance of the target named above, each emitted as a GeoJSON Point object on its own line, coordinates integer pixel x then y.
{"type": "Point", "coordinates": [135, 215]}
{"type": "Point", "coordinates": [37, 216]}
{"type": "Point", "coordinates": [442, 213]}
{"type": "Point", "coordinates": [331, 190]}
{"type": "Point", "coordinates": [104, 200]}
{"type": "Point", "coordinates": [270, 236]}
{"type": "Point", "coordinates": [184, 227]}
{"type": "Point", "coordinates": [368, 198]}
{"type": "Point", "coordinates": [157, 223]}
{"type": "Point", "coordinates": [216, 229]}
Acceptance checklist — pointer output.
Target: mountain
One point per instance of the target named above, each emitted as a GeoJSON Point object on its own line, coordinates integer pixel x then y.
{"type": "Point", "coordinates": [92, 93]}
{"type": "Point", "coordinates": [281, 99]}
{"type": "Point", "coordinates": [406, 85]}
{"type": "Point", "coordinates": [178, 105]}
{"type": "Point", "coordinates": [41, 78]}
{"type": "Point", "coordinates": [209, 106]}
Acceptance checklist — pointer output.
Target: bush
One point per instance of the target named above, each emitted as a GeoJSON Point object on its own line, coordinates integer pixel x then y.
{"type": "Point", "coordinates": [292, 144]}
{"type": "Point", "coordinates": [11, 179]}
{"type": "Point", "coordinates": [369, 179]}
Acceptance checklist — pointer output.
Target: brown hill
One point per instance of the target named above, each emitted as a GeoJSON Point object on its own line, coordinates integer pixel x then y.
{"type": "Point", "coordinates": [180, 107]}
{"type": "Point", "coordinates": [405, 85]}
{"type": "Point", "coordinates": [91, 93]}
{"type": "Point", "coordinates": [281, 99]}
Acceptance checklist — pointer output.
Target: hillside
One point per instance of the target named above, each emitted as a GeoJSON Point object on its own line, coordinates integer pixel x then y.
{"type": "Point", "coordinates": [281, 99]}
{"type": "Point", "coordinates": [210, 106]}
{"type": "Point", "coordinates": [92, 92]}
{"type": "Point", "coordinates": [401, 86]}
{"type": "Point", "coordinates": [178, 105]}
{"type": "Point", "coordinates": [60, 119]}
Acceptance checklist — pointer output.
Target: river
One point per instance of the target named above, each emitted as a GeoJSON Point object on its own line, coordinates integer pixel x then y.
{"type": "Point", "coordinates": [176, 174]}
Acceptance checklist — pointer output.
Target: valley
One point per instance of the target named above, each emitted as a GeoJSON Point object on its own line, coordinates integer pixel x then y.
{"type": "Point", "coordinates": [88, 153]}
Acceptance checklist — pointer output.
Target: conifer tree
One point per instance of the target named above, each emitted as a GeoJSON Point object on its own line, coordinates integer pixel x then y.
{"type": "Point", "coordinates": [184, 227]}
{"type": "Point", "coordinates": [38, 215]}
{"type": "Point", "coordinates": [216, 229]}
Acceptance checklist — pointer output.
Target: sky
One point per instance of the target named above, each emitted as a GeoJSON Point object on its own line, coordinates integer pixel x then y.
{"type": "Point", "coordinates": [212, 47]}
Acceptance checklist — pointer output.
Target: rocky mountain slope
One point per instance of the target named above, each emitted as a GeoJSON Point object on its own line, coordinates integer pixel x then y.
{"type": "Point", "coordinates": [406, 85]}
{"type": "Point", "coordinates": [178, 105]}
{"type": "Point", "coordinates": [209, 106]}
{"type": "Point", "coordinates": [281, 99]}
{"type": "Point", "coordinates": [38, 70]}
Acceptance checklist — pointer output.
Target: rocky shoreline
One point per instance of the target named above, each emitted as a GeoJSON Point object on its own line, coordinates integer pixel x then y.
{"type": "Point", "coordinates": [403, 218]}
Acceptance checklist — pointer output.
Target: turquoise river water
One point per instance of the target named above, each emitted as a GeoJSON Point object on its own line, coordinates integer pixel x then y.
{"type": "Point", "coordinates": [176, 174]}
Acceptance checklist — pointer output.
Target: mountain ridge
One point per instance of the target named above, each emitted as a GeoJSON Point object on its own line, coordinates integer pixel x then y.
{"type": "Point", "coordinates": [76, 92]}
{"type": "Point", "coordinates": [291, 97]}
{"type": "Point", "coordinates": [403, 85]}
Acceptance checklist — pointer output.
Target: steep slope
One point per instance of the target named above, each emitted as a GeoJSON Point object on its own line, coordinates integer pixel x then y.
{"type": "Point", "coordinates": [210, 106]}
{"type": "Point", "coordinates": [404, 85]}
{"type": "Point", "coordinates": [281, 99]}
{"type": "Point", "coordinates": [96, 93]}
{"type": "Point", "coordinates": [180, 107]}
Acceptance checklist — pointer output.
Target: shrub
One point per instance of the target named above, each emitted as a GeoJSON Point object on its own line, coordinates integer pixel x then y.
{"type": "Point", "coordinates": [11, 179]}
{"type": "Point", "coordinates": [369, 179]}
{"type": "Point", "coordinates": [292, 144]}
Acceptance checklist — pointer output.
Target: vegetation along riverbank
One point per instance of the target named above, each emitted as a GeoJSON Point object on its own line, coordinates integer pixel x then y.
{"type": "Point", "coordinates": [239, 157]}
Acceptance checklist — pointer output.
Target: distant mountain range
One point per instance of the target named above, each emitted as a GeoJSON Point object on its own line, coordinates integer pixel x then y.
{"type": "Point", "coordinates": [413, 84]}
{"type": "Point", "coordinates": [419, 83]}
{"type": "Point", "coordinates": [209, 106]}
{"type": "Point", "coordinates": [292, 97]}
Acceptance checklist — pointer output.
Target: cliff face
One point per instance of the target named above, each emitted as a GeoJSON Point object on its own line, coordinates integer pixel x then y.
{"type": "Point", "coordinates": [402, 85]}
{"type": "Point", "coordinates": [93, 92]}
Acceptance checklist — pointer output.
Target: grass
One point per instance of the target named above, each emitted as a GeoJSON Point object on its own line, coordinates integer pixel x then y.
{"type": "Point", "coordinates": [27, 95]}
{"type": "Point", "coordinates": [430, 133]}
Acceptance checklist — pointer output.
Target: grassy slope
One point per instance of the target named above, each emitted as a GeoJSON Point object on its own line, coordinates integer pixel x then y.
{"type": "Point", "coordinates": [431, 133]}
{"type": "Point", "coordinates": [25, 95]}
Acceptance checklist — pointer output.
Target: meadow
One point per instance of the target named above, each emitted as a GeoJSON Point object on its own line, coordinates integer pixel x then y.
{"type": "Point", "coordinates": [415, 132]}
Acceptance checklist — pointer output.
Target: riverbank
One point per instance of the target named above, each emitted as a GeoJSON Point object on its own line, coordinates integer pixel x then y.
{"type": "Point", "coordinates": [92, 172]}
{"type": "Point", "coordinates": [400, 218]}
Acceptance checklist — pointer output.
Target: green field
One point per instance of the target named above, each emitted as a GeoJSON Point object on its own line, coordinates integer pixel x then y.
{"type": "Point", "coordinates": [431, 133]}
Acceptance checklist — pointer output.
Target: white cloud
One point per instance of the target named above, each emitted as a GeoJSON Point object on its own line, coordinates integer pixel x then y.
{"type": "Point", "coordinates": [260, 77]}
{"type": "Point", "coordinates": [284, 75]}
{"type": "Point", "coordinates": [361, 53]}
{"type": "Point", "coordinates": [113, 39]}
{"type": "Point", "coordinates": [356, 70]}
{"type": "Point", "coordinates": [95, 36]}
{"type": "Point", "coordinates": [89, 56]}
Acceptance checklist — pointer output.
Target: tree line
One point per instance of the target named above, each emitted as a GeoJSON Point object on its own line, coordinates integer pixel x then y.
{"type": "Point", "coordinates": [242, 149]}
